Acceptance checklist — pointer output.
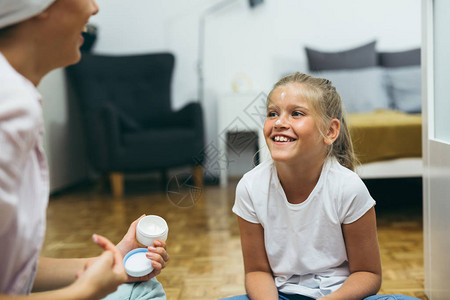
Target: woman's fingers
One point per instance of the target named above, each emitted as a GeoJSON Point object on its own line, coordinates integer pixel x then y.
{"type": "Point", "coordinates": [159, 247]}
{"type": "Point", "coordinates": [157, 261]}
{"type": "Point", "coordinates": [109, 246]}
{"type": "Point", "coordinates": [159, 243]}
{"type": "Point", "coordinates": [100, 278]}
{"type": "Point", "coordinates": [132, 229]}
{"type": "Point", "coordinates": [103, 242]}
{"type": "Point", "coordinates": [128, 241]}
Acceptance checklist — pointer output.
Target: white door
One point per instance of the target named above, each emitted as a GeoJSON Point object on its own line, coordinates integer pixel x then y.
{"type": "Point", "coordinates": [436, 146]}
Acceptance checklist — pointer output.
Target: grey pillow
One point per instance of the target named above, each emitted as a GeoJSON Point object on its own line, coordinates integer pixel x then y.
{"type": "Point", "coordinates": [360, 57]}
{"type": "Point", "coordinates": [399, 59]}
{"type": "Point", "coordinates": [405, 88]}
{"type": "Point", "coordinates": [360, 89]}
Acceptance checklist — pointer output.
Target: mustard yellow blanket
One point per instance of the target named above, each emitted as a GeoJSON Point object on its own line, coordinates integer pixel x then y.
{"type": "Point", "coordinates": [385, 134]}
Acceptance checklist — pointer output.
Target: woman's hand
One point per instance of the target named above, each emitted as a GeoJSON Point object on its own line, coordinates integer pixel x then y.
{"type": "Point", "coordinates": [157, 252]}
{"type": "Point", "coordinates": [103, 274]}
{"type": "Point", "coordinates": [159, 256]}
{"type": "Point", "coordinates": [129, 242]}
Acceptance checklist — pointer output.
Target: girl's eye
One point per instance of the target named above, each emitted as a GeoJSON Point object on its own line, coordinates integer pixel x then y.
{"type": "Point", "coordinates": [271, 114]}
{"type": "Point", "coordinates": [297, 114]}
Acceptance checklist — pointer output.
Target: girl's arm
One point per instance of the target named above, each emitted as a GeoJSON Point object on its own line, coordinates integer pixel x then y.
{"type": "Point", "coordinates": [364, 259]}
{"type": "Point", "coordinates": [259, 281]}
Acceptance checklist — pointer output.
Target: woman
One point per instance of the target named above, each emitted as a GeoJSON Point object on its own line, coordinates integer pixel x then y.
{"type": "Point", "coordinates": [37, 36]}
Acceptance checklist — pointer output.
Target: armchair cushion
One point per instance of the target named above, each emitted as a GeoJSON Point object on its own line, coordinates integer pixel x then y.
{"type": "Point", "coordinates": [159, 148]}
{"type": "Point", "coordinates": [129, 124]}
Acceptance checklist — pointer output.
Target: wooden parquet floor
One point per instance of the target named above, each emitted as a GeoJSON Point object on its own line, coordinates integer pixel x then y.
{"type": "Point", "coordinates": [203, 243]}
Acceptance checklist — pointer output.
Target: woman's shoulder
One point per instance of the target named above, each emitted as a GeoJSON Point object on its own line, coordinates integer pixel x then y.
{"type": "Point", "coordinates": [17, 94]}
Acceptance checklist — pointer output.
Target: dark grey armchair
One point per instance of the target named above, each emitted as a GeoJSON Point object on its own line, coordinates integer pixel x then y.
{"type": "Point", "coordinates": [129, 124]}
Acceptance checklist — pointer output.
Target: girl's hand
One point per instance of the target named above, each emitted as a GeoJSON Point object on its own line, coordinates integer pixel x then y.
{"type": "Point", "coordinates": [101, 275]}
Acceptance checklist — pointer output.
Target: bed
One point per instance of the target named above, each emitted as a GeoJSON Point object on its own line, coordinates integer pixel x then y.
{"type": "Point", "coordinates": [387, 143]}
{"type": "Point", "coordinates": [381, 92]}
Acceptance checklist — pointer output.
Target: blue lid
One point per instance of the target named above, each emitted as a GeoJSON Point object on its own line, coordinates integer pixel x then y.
{"type": "Point", "coordinates": [136, 263]}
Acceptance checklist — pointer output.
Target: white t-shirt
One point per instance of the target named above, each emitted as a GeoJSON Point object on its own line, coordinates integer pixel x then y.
{"type": "Point", "coordinates": [304, 242]}
{"type": "Point", "coordinates": [24, 183]}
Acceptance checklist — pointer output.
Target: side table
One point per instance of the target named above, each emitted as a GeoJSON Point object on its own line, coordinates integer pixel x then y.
{"type": "Point", "coordinates": [240, 112]}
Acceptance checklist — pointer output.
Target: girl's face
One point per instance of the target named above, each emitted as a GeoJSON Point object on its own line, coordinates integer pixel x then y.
{"type": "Point", "coordinates": [290, 128]}
{"type": "Point", "coordinates": [66, 20]}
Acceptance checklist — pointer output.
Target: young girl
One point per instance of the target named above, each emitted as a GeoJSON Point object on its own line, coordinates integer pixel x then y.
{"type": "Point", "coordinates": [307, 221]}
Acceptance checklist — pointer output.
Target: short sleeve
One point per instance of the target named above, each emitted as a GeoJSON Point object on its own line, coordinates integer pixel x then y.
{"type": "Point", "coordinates": [356, 200]}
{"type": "Point", "coordinates": [243, 204]}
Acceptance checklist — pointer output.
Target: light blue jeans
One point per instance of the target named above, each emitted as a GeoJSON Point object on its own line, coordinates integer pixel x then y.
{"type": "Point", "coordinates": [299, 297]}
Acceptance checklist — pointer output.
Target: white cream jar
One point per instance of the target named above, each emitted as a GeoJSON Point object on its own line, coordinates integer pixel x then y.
{"type": "Point", "coordinates": [151, 228]}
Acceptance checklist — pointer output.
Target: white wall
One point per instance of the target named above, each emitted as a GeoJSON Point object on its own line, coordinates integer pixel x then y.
{"type": "Point", "coordinates": [263, 43]}
{"type": "Point", "coordinates": [64, 143]}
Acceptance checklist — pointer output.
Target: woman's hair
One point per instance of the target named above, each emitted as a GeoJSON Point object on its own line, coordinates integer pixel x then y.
{"type": "Point", "coordinates": [6, 30]}
{"type": "Point", "coordinates": [327, 105]}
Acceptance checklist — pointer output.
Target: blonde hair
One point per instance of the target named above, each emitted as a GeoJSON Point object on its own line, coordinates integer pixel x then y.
{"type": "Point", "coordinates": [327, 105]}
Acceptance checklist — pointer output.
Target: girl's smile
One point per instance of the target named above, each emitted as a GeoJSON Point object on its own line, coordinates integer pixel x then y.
{"type": "Point", "coordinates": [290, 128]}
{"type": "Point", "coordinates": [282, 139]}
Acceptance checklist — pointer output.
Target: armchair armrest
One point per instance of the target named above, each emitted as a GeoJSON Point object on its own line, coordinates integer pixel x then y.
{"type": "Point", "coordinates": [190, 115]}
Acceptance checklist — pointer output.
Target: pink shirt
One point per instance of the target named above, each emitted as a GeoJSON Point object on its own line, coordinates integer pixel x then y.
{"type": "Point", "coordinates": [24, 182]}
